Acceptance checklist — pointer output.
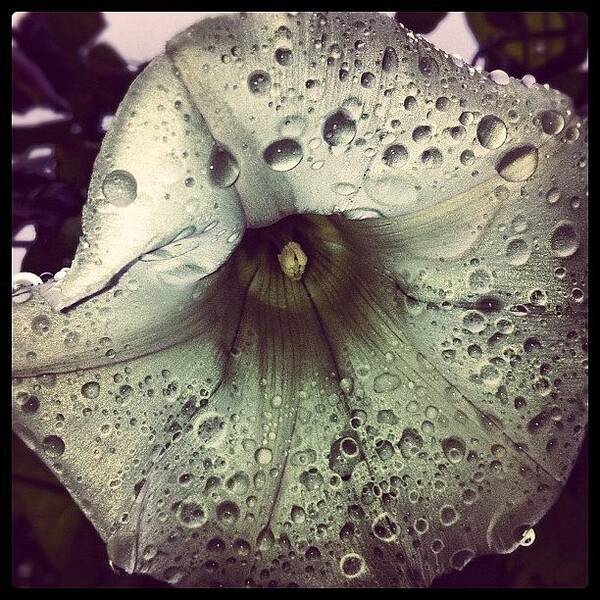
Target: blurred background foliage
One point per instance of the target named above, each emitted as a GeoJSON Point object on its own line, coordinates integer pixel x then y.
{"type": "Point", "coordinates": [58, 64]}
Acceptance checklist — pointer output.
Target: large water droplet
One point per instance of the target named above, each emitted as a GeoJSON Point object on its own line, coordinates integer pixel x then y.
{"type": "Point", "coordinates": [428, 66]}
{"type": "Point", "coordinates": [284, 56]}
{"type": "Point", "coordinates": [421, 134]}
{"type": "Point", "coordinates": [552, 122]}
{"type": "Point", "coordinates": [394, 155]}
{"type": "Point", "coordinates": [491, 132]}
{"type": "Point", "coordinates": [454, 449]}
{"type": "Point", "coordinates": [53, 446]}
{"type": "Point", "coordinates": [259, 82]}
{"type": "Point", "coordinates": [386, 382]}
{"type": "Point", "coordinates": [283, 155]}
{"type": "Point", "coordinates": [339, 128]}
{"type": "Point", "coordinates": [432, 158]}
{"type": "Point", "coordinates": [191, 514]}
{"type": "Point", "coordinates": [40, 325]}
{"type": "Point", "coordinates": [519, 164]}
{"type": "Point", "coordinates": [91, 389]}
{"type": "Point", "coordinates": [223, 169]}
{"type": "Point", "coordinates": [564, 240]}
{"type": "Point", "coordinates": [119, 188]}
{"type": "Point", "coordinates": [352, 565]}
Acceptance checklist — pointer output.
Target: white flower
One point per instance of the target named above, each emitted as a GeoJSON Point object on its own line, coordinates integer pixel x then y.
{"type": "Point", "coordinates": [402, 390]}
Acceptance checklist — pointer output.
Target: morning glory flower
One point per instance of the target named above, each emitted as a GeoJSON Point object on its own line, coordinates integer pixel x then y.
{"type": "Point", "coordinates": [326, 322]}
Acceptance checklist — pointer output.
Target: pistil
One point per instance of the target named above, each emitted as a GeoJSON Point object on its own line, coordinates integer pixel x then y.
{"type": "Point", "coordinates": [293, 260]}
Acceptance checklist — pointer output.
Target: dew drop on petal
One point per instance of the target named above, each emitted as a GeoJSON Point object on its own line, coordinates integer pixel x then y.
{"type": "Point", "coordinates": [386, 382]}
{"type": "Point", "coordinates": [284, 56]}
{"type": "Point", "coordinates": [223, 168]}
{"type": "Point", "coordinates": [428, 66]}
{"type": "Point", "coordinates": [500, 77]}
{"type": "Point", "coordinates": [119, 188]}
{"type": "Point", "coordinates": [91, 389]}
{"type": "Point", "coordinates": [552, 122]}
{"type": "Point", "coordinates": [352, 565]}
{"type": "Point", "coordinates": [283, 154]}
{"type": "Point", "coordinates": [390, 61]}
{"type": "Point", "coordinates": [394, 155]}
{"type": "Point", "coordinates": [339, 128]}
{"type": "Point", "coordinates": [519, 164]}
{"type": "Point", "coordinates": [259, 82]}
{"type": "Point", "coordinates": [564, 240]}
{"type": "Point", "coordinates": [53, 446]}
{"type": "Point", "coordinates": [491, 132]}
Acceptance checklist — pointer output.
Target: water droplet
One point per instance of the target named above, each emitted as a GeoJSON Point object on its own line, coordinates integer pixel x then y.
{"type": "Point", "coordinates": [519, 164]}
{"type": "Point", "coordinates": [491, 132]}
{"type": "Point", "coordinates": [564, 240]}
{"type": "Point", "coordinates": [448, 515]}
{"type": "Point", "coordinates": [339, 128]}
{"type": "Point", "coordinates": [119, 188]}
{"type": "Point", "coordinates": [500, 77]}
{"type": "Point", "coordinates": [228, 513]}
{"type": "Point", "coordinates": [454, 449]}
{"type": "Point", "coordinates": [91, 389]}
{"type": "Point", "coordinates": [386, 382]}
{"type": "Point", "coordinates": [283, 154]}
{"type": "Point", "coordinates": [263, 456]}
{"type": "Point", "coordinates": [390, 60]}
{"type": "Point", "coordinates": [432, 158]}
{"type": "Point", "coordinates": [223, 169]}
{"type": "Point", "coordinates": [394, 155]}
{"type": "Point", "coordinates": [284, 56]}
{"type": "Point", "coordinates": [191, 514]}
{"type": "Point", "coordinates": [474, 321]}
{"type": "Point", "coordinates": [467, 157]}
{"type": "Point", "coordinates": [421, 134]}
{"type": "Point", "coordinates": [367, 79]}
{"type": "Point", "coordinates": [352, 565]}
{"type": "Point", "coordinates": [552, 122]}
{"type": "Point", "coordinates": [428, 66]}
{"type": "Point", "coordinates": [53, 446]}
{"type": "Point", "coordinates": [40, 325]}
{"type": "Point", "coordinates": [259, 82]}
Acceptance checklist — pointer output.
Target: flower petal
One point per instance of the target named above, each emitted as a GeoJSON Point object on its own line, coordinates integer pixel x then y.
{"type": "Point", "coordinates": [100, 408]}
{"type": "Point", "coordinates": [372, 426]}
{"type": "Point", "coordinates": [269, 484]}
{"type": "Point", "coordinates": [151, 186]}
{"type": "Point", "coordinates": [349, 112]}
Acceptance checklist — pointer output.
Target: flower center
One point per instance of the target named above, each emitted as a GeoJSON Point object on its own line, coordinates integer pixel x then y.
{"type": "Point", "coordinates": [293, 261]}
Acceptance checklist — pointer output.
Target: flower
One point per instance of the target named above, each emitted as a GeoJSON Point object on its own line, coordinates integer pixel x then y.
{"type": "Point", "coordinates": [326, 322]}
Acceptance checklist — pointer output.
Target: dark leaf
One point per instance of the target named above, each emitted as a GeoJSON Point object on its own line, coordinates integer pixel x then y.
{"type": "Point", "coordinates": [53, 249]}
{"type": "Point", "coordinates": [420, 22]}
{"type": "Point", "coordinates": [30, 86]}
{"type": "Point", "coordinates": [26, 136]}
{"type": "Point", "coordinates": [75, 29]}
{"type": "Point", "coordinates": [540, 43]}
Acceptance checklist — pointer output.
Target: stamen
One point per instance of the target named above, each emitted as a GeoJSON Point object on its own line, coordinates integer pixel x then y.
{"type": "Point", "coordinates": [293, 261]}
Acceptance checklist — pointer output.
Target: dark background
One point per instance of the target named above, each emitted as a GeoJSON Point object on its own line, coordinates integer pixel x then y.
{"type": "Point", "coordinates": [58, 64]}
